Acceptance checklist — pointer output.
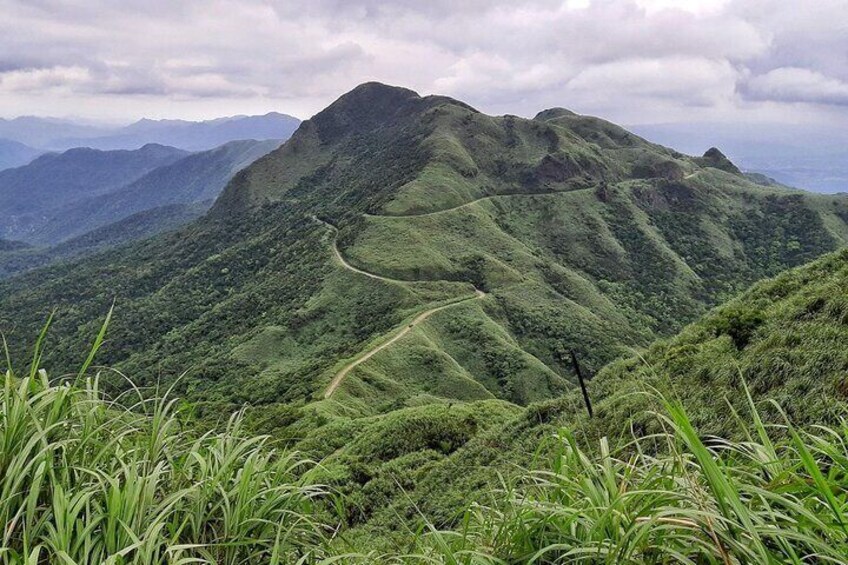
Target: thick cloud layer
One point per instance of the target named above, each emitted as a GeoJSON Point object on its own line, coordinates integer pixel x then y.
{"type": "Point", "coordinates": [634, 61]}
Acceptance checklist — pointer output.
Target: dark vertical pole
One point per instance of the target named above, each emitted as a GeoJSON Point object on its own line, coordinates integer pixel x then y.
{"type": "Point", "coordinates": [582, 383]}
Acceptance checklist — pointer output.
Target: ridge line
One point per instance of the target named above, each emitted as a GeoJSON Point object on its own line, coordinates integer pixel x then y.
{"type": "Point", "coordinates": [475, 201]}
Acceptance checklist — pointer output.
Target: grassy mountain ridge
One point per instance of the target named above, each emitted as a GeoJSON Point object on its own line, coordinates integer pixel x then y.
{"type": "Point", "coordinates": [148, 486]}
{"type": "Point", "coordinates": [582, 235]}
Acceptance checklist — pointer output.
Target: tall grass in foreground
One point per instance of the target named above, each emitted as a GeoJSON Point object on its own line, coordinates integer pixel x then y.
{"type": "Point", "coordinates": [87, 481]}
{"type": "Point", "coordinates": [84, 480]}
{"type": "Point", "coordinates": [704, 500]}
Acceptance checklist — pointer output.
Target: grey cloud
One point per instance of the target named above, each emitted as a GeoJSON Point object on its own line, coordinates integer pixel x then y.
{"type": "Point", "coordinates": [626, 57]}
{"type": "Point", "coordinates": [793, 84]}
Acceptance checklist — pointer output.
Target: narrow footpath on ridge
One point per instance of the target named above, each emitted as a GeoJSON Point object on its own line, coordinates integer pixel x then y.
{"type": "Point", "coordinates": [478, 294]}
{"type": "Point", "coordinates": [342, 374]}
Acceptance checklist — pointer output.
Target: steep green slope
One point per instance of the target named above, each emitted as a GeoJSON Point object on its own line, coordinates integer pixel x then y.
{"type": "Point", "coordinates": [784, 337]}
{"type": "Point", "coordinates": [581, 236]}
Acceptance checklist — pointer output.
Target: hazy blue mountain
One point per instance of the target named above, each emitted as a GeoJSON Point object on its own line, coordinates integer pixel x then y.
{"type": "Point", "coordinates": [15, 154]}
{"type": "Point", "coordinates": [40, 132]}
{"type": "Point", "coordinates": [60, 135]}
{"type": "Point", "coordinates": [812, 157]}
{"type": "Point", "coordinates": [196, 178]}
{"type": "Point", "coordinates": [17, 257]}
{"type": "Point", "coordinates": [192, 136]}
{"type": "Point", "coordinates": [31, 193]}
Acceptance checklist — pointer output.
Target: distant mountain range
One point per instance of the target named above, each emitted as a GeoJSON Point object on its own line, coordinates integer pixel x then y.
{"type": "Point", "coordinates": [195, 180]}
{"type": "Point", "coordinates": [31, 194]}
{"type": "Point", "coordinates": [42, 132]}
{"type": "Point", "coordinates": [49, 134]}
{"type": "Point", "coordinates": [804, 156]}
{"type": "Point", "coordinates": [68, 189]}
{"type": "Point", "coordinates": [15, 154]}
{"type": "Point", "coordinates": [60, 196]}
{"type": "Point", "coordinates": [193, 136]}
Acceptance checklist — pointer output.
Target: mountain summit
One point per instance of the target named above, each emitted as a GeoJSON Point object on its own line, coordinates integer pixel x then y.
{"type": "Point", "coordinates": [414, 154]}
{"type": "Point", "coordinates": [713, 157]}
{"type": "Point", "coordinates": [365, 108]}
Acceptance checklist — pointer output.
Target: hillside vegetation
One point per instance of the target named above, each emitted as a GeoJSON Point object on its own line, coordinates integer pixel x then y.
{"type": "Point", "coordinates": [18, 257]}
{"type": "Point", "coordinates": [135, 480]}
{"type": "Point", "coordinates": [86, 480]}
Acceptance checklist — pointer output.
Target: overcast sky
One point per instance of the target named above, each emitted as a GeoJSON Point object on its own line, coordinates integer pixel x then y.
{"type": "Point", "coordinates": [632, 61]}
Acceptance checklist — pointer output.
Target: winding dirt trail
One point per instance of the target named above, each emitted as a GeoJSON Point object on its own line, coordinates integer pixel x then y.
{"type": "Point", "coordinates": [348, 266]}
{"type": "Point", "coordinates": [340, 376]}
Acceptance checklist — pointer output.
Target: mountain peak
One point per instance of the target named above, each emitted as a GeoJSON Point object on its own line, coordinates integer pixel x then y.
{"type": "Point", "coordinates": [379, 91]}
{"type": "Point", "coordinates": [366, 107]}
{"type": "Point", "coordinates": [714, 153]}
{"type": "Point", "coordinates": [713, 157]}
{"type": "Point", "coordinates": [554, 113]}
